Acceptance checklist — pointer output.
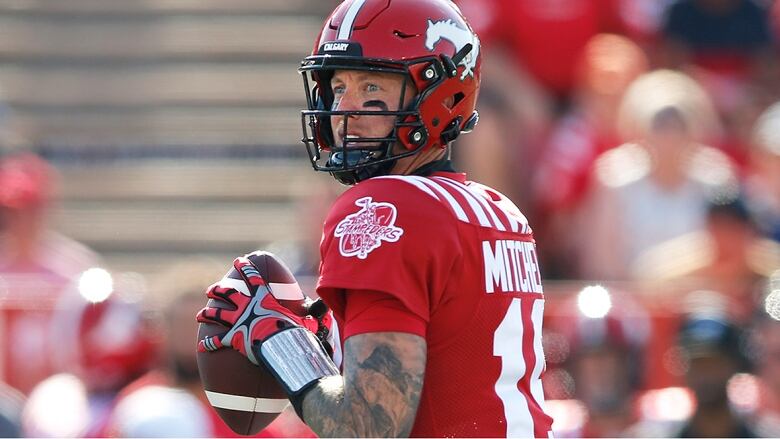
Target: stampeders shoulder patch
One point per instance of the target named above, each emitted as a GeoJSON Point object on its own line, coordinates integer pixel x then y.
{"type": "Point", "coordinates": [362, 232]}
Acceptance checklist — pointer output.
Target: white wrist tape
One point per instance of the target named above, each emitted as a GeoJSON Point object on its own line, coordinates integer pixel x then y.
{"type": "Point", "coordinates": [297, 358]}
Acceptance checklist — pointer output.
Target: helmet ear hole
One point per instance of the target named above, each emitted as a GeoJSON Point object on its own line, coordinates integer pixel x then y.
{"type": "Point", "coordinates": [456, 98]}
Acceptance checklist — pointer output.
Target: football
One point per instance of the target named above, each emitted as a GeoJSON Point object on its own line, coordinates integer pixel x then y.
{"type": "Point", "coordinates": [248, 397]}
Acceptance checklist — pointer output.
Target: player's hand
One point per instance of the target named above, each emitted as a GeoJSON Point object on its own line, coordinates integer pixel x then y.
{"type": "Point", "coordinates": [254, 315]}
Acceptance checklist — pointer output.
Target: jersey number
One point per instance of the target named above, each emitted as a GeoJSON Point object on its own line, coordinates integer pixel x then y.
{"type": "Point", "coordinates": [508, 345]}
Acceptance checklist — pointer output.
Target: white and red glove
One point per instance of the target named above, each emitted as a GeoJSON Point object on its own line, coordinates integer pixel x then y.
{"type": "Point", "coordinates": [266, 332]}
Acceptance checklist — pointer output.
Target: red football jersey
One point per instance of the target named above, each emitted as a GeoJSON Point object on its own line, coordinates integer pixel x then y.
{"type": "Point", "coordinates": [462, 258]}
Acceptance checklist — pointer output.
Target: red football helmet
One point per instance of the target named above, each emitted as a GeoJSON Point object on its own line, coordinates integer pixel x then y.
{"type": "Point", "coordinates": [429, 43]}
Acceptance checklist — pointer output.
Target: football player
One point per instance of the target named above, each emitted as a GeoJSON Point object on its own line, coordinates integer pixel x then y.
{"type": "Point", "coordinates": [433, 279]}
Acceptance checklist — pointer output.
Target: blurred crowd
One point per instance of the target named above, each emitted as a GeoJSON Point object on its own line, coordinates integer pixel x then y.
{"type": "Point", "coordinates": [90, 353]}
{"type": "Point", "coordinates": [642, 140]}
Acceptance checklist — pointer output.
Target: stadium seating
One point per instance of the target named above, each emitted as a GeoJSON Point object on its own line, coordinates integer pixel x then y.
{"type": "Point", "coordinates": [174, 124]}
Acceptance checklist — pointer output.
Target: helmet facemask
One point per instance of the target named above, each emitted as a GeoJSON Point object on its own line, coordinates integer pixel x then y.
{"type": "Point", "coordinates": [357, 158]}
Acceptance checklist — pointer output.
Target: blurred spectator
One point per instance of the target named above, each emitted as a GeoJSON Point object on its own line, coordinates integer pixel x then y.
{"type": "Point", "coordinates": [727, 46]}
{"type": "Point", "coordinates": [11, 403]}
{"type": "Point", "coordinates": [505, 145]}
{"type": "Point", "coordinates": [27, 245]}
{"type": "Point", "coordinates": [763, 183]}
{"type": "Point", "coordinates": [544, 36]}
{"type": "Point", "coordinates": [606, 336]}
{"type": "Point", "coordinates": [765, 341]}
{"type": "Point", "coordinates": [713, 349]}
{"type": "Point", "coordinates": [728, 255]}
{"type": "Point", "coordinates": [643, 20]}
{"type": "Point", "coordinates": [726, 37]}
{"type": "Point", "coordinates": [36, 263]}
{"type": "Point", "coordinates": [775, 18]}
{"type": "Point", "coordinates": [740, 262]}
{"type": "Point", "coordinates": [112, 342]}
{"type": "Point", "coordinates": [608, 65]}
{"type": "Point", "coordinates": [161, 411]}
{"type": "Point", "coordinates": [739, 121]}
{"type": "Point", "coordinates": [655, 189]}
{"type": "Point", "coordinates": [57, 407]}
{"type": "Point", "coordinates": [159, 403]}
{"type": "Point", "coordinates": [179, 293]}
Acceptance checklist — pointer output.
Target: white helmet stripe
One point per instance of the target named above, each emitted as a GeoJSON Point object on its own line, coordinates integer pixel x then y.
{"type": "Point", "coordinates": [345, 29]}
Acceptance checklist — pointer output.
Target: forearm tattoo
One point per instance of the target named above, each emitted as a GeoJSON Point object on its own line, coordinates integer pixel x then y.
{"type": "Point", "coordinates": [379, 392]}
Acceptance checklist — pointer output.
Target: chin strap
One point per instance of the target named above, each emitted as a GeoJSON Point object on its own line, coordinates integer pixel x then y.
{"type": "Point", "coordinates": [355, 157]}
{"type": "Point", "coordinates": [354, 176]}
{"type": "Point", "coordinates": [358, 156]}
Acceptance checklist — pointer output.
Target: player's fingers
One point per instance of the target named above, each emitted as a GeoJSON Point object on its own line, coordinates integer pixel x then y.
{"type": "Point", "coordinates": [212, 315]}
{"type": "Point", "coordinates": [224, 294]}
{"type": "Point", "coordinates": [250, 274]}
{"type": "Point", "coordinates": [211, 292]}
{"type": "Point", "coordinates": [210, 344]}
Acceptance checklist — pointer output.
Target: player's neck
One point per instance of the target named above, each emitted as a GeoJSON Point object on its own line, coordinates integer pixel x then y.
{"type": "Point", "coordinates": [442, 165]}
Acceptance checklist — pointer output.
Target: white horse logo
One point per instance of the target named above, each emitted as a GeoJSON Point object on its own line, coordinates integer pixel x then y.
{"type": "Point", "coordinates": [449, 31]}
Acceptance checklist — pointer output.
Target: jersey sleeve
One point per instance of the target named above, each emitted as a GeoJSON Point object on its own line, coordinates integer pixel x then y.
{"type": "Point", "coordinates": [372, 311]}
{"type": "Point", "coordinates": [388, 236]}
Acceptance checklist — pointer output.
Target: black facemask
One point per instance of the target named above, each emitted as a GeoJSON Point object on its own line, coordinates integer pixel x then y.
{"type": "Point", "coordinates": [358, 157]}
